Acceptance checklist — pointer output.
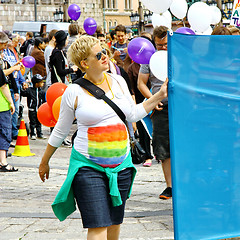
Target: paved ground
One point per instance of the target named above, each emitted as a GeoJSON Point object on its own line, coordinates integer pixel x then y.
{"type": "Point", "coordinates": [25, 202]}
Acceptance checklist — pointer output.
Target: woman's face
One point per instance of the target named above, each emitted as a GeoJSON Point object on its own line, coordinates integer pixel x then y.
{"type": "Point", "coordinates": [98, 58]}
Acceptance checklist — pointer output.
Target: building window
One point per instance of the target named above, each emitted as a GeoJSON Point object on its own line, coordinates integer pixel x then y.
{"type": "Point", "coordinates": [115, 23]}
{"type": "Point", "coordinates": [128, 4]}
{"type": "Point", "coordinates": [110, 24]}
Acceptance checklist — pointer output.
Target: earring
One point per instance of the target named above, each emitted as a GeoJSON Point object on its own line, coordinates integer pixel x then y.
{"type": "Point", "coordinates": [87, 67]}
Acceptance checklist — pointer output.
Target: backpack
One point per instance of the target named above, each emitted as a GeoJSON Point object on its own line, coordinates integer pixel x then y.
{"type": "Point", "coordinates": [29, 49]}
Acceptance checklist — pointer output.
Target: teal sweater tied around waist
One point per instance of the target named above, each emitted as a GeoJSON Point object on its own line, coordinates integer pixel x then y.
{"type": "Point", "coordinates": [64, 203]}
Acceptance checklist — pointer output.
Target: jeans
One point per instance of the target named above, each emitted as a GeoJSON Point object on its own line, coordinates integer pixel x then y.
{"type": "Point", "coordinates": [15, 115]}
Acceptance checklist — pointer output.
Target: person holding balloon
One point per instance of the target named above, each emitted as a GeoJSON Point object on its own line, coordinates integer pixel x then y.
{"type": "Point", "coordinates": [101, 172]}
{"type": "Point", "coordinates": [159, 116]}
{"type": "Point", "coordinates": [58, 64]}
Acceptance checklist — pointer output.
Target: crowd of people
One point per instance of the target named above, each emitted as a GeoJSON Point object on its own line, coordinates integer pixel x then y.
{"type": "Point", "coordinates": [101, 172]}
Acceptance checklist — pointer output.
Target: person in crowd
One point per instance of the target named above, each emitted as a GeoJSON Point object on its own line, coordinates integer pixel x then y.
{"type": "Point", "coordinates": [234, 30]}
{"type": "Point", "coordinates": [6, 108]}
{"type": "Point", "coordinates": [35, 98]}
{"type": "Point", "coordinates": [120, 48]}
{"type": "Point", "coordinates": [113, 39]}
{"type": "Point", "coordinates": [221, 30]}
{"type": "Point", "coordinates": [101, 37]}
{"type": "Point", "coordinates": [10, 57]}
{"type": "Point", "coordinates": [101, 171]}
{"type": "Point", "coordinates": [47, 53]}
{"type": "Point", "coordinates": [60, 71]}
{"type": "Point", "coordinates": [144, 138]}
{"type": "Point", "coordinates": [38, 54]}
{"type": "Point", "coordinates": [26, 45]}
{"type": "Point", "coordinates": [159, 116]}
{"type": "Point", "coordinates": [129, 34]}
{"type": "Point", "coordinates": [74, 31]}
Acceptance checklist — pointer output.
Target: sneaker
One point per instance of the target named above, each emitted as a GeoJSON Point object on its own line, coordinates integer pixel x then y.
{"type": "Point", "coordinates": [66, 143]}
{"type": "Point", "coordinates": [41, 137]}
{"type": "Point", "coordinates": [166, 194]}
{"type": "Point", "coordinates": [33, 137]}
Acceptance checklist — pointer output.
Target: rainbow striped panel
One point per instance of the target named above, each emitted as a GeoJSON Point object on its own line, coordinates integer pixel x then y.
{"type": "Point", "coordinates": [107, 145]}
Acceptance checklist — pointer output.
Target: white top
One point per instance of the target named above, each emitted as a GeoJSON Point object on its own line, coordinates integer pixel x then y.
{"type": "Point", "coordinates": [47, 54]}
{"type": "Point", "coordinates": [102, 136]}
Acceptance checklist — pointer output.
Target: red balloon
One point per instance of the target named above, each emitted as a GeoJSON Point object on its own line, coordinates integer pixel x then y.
{"type": "Point", "coordinates": [45, 116]}
{"type": "Point", "coordinates": [54, 91]}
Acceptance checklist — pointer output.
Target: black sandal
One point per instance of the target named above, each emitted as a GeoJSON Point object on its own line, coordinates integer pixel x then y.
{"type": "Point", "coordinates": [3, 168]}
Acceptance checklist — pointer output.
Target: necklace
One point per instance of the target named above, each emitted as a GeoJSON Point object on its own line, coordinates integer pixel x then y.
{"type": "Point", "coordinates": [109, 87]}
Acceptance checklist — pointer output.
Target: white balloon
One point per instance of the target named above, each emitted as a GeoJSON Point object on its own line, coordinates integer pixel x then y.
{"type": "Point", "coordinates": [179, 8]}
{"type": "Point", "coordinates": [157, 6]}
{"type": "Point", "coordinates": [164, 19]}
{"type": "Point", "coordinates": [208, 31]}
{"type": "Point", "coordinates": [216, 14]}
{"type": "Point", "coordinates": [159, 65]}
{"type": "Point", "coordinates": [199, 16]}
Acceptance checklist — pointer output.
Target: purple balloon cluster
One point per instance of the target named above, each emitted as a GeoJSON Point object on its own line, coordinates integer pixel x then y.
{"type": "Point", "coordinates": [140, 50]}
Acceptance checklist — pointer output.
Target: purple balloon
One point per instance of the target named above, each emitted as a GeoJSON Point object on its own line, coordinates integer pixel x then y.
{"type": "Point", "coordinates": [90, 26]}
{"type": "Point", "coordinates": [28, 61]}
{"type": "Point", "coordinates": [140, 50]}
{"type": "Point", "coordinates": [74, 12]}
{"type": "Point", "coordinates": [185, 30]}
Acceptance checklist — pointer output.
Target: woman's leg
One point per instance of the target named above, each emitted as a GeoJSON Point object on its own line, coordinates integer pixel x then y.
{"type": "Point", "coordinates": [113, 232]}
{"type": "Point", "coordinates": [97, 233]}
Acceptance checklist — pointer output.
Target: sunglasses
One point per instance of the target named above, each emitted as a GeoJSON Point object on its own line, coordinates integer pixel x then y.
{"type": "Point", "coordinates": [99, 54]}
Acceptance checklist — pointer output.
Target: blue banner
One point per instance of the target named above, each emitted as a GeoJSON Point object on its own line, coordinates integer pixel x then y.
{"type": "Point", "coordinates": [204, 119]}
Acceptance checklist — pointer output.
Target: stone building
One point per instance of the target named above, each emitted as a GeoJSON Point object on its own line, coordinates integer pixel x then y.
{"type": "Point", "coordinates": [107, 13]}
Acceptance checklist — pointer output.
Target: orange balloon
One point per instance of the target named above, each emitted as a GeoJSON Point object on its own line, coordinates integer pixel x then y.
{"type": "Point", "coordinates": [56, 107]}
{"type": "Point", "coordinates": [45, 116]}
{"type": "Point", "coordinates": [22, 69]}
{"type": "Point", "coordinates": [54, 91]}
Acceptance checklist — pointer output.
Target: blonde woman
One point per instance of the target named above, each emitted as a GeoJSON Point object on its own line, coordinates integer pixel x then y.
{"type": "Point", "coordinates": [100, 172]}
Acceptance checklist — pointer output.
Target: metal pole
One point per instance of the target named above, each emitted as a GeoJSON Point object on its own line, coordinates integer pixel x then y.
{"type": "Point", "coordinates": [141, 17]}
{"type": "Point", "coordinates": [219, 4]}
{"type": "Point", "coordinates": [35, 10]}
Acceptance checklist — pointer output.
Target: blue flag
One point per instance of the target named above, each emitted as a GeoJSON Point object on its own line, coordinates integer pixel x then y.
{"type": "Point", "coordinates": [204, 120]}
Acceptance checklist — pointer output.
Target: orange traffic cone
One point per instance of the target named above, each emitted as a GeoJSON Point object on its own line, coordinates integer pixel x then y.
{"type": "Point", "coordinates": [22, 148]}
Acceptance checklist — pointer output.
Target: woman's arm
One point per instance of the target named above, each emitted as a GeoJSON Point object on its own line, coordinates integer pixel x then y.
{"type": "Point", "coordinates": [44, 165]}
{"type": "Point", "coordinates": [57, 62]}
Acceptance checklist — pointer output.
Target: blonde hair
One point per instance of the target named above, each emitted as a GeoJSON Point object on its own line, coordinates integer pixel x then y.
{"type": "Point", "coordinates": [80, 49]}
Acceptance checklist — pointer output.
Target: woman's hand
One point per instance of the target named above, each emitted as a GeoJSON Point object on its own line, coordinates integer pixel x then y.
{"type": "Point", "coordinates": [164, 89]}
{"type": "Point", "coordinates": [44, 171]}
{"type": "Point", "coordinates": [12, 108]}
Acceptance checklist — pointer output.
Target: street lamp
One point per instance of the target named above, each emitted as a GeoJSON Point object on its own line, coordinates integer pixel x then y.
{"type": "Point", "coordinates": [58, 15]}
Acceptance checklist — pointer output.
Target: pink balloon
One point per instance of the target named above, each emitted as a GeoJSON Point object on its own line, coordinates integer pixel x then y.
{"type": "Point", "coordinates": [74, 12]}
{"type": "Point", "coordinates": [28, 61]}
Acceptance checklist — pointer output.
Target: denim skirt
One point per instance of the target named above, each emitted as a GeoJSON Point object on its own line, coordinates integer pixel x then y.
{"type": "Point", "coordinates": [5, 130]}
{"type": "Point", "coordinates": [91, 191]}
